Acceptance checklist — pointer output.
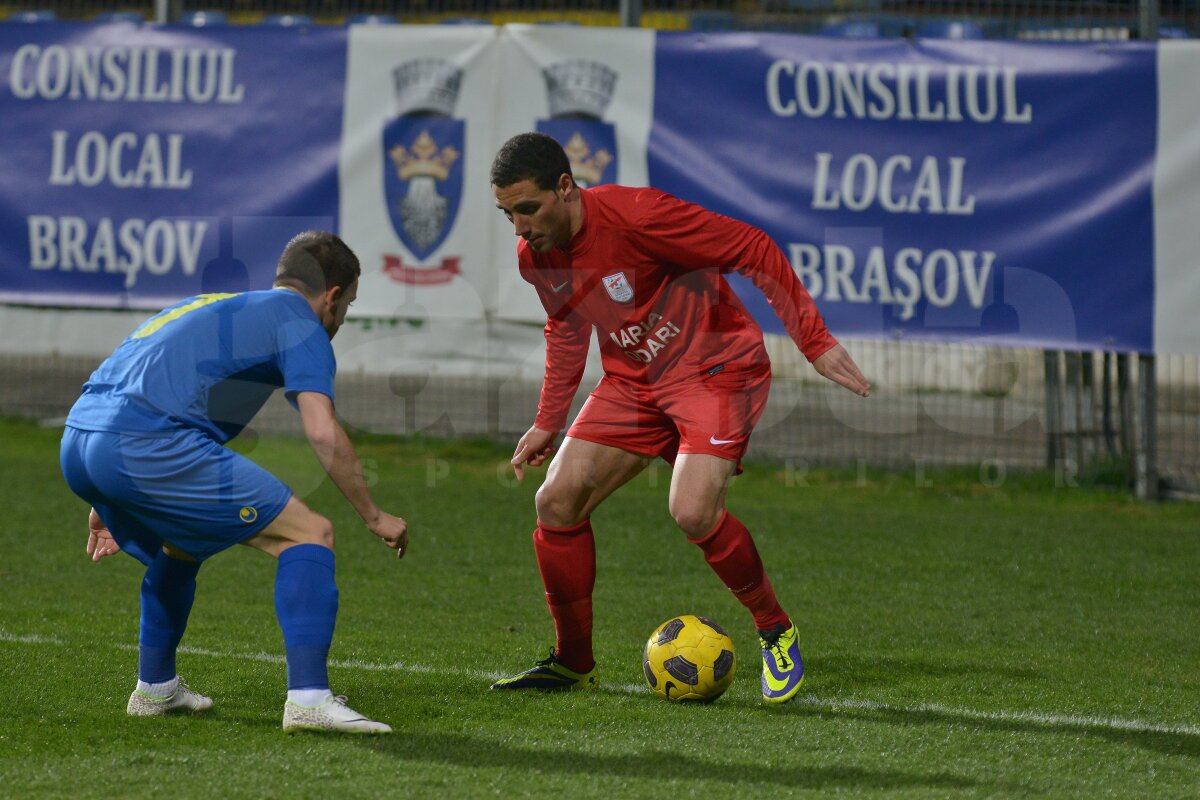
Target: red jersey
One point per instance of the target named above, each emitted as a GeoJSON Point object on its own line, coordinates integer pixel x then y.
{"type": "Point", "coordinates": [645, 270]}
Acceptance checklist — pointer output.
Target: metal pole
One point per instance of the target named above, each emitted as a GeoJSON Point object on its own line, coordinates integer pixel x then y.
{"type": "Point", "coordinates": [1054, 449]}
{"type": "Point", "coordinates": [1125, 404]}
{"type": "Point", "coordinates": [168, 11]}
{"type": "Point", "coordinates": [1087, 407]}
{"type": "Point", "coordinates": [493, 380]}
{"type": "Point", "coordinates": [1071, 416]}
{"type": "Point", "coordinates": [1106, 390]}
{"type": "Point", "coordinates": [1145, 463]}
{"type": "Point", "coordinates": [1148, 20]}
{"type": "Point", "coordinates": [631, 13]}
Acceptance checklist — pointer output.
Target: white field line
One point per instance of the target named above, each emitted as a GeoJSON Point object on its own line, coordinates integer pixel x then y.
{"type": "Point", "coordinates": [832, 704]}
{"type": "Point", "coordinates": [31, 638]}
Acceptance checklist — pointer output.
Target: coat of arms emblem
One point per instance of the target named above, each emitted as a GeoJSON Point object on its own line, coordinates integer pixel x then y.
{"type": "Point", "coordinates": [579, 92]}
{"type": "Point", "coordinates": [423, 166]}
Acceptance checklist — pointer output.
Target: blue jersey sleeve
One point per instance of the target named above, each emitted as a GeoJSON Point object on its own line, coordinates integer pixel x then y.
{"type": "Point", "coordinates": [306, 359]}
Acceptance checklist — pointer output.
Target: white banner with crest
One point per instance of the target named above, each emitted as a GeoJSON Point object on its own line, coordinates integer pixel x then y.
{"type": "Point", "coordinates": [593, 90]}
{"type": "Point", "coordinates": [416, 146]}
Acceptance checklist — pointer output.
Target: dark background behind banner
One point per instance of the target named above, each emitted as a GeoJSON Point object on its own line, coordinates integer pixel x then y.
{"type": "Point", "coordinates": [995, 19]}
{"type": "Point", "coordinates": [272, 155]}
{"type": "Point", "coordinates": [1063, 201]}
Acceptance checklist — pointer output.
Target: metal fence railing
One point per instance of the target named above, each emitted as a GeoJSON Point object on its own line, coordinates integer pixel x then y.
{"type": "Point", "coordinates": [932, 405]}
{"type": "Point", "coordinates": [1029, 19]}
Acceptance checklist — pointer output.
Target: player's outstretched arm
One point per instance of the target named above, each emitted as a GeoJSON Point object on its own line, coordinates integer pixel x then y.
{"type": "Point", "coordinates": [837, 365]}
{"type": "Point", "coordinates": [100, 542]}
{"type": "Point", "coordinates": [533, 449]}
{"type": "Point", "coordinates": [336, 454]}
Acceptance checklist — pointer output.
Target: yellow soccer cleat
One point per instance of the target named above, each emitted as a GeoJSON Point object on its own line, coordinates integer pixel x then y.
{"type": "Point", "coordinates": [550, 674]}
{"type": "Point", "coordinates": [783, 668]}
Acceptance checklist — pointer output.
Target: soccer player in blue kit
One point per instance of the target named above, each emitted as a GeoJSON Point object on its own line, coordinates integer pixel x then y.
{"type": "Point", "coordinates": [144, 446]}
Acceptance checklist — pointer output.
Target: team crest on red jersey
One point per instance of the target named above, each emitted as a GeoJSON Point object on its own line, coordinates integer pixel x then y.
{"type": "Point", "coordinates": [618, 288]}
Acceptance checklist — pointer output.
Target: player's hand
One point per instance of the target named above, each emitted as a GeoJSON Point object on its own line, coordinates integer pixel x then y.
{"type": "Point", "coordinates": [837, 365]}
{"type": "Point", "coordinates": [100, 542]}
{"type": "Point", "coordinates": [533, 449]}
{"type": "Point", "coordinates": [393, 530]}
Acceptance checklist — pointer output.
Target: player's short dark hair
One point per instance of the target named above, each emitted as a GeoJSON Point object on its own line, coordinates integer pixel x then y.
{"type": "Point", "coordinates": [530, 156]}
{"type": "Point", "coordinates": [315, 261]}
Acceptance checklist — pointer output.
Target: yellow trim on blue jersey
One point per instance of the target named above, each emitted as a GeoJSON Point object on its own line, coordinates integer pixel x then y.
{"type": "Point", "coordinates": [153, 325]}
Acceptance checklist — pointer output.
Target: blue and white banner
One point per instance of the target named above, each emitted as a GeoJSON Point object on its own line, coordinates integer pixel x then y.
{"type": "Point", "coordinates": [931, 189]}
{"type": "Point", "coordinates": [145, 164]}
{"type": "Point", "coordinates": [1025, 194]}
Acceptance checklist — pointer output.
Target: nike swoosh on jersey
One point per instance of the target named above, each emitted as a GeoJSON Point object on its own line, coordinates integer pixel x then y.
{"type": "Point", "coordinates": [561, 286]}
{"type": "Point", "coordinates": [715, 440]}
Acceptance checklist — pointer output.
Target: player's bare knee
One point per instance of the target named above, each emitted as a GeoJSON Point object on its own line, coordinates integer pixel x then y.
{"type": "Point", "coordinates": [320, 531]}
{"type": "Point", "coordinates": [695, 521]}
{"type": "Point", "coordinates": [556, 508]}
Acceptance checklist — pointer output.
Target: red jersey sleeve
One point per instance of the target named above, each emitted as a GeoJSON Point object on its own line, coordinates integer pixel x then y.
{"type": "Point", "coordinates": [567, 341]}
{"type": "Point", "coordinates": [692, 237]}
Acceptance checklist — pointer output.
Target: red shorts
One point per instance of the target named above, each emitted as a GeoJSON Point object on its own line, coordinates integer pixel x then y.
{"type": "Point", "coordinates": [712, 413]}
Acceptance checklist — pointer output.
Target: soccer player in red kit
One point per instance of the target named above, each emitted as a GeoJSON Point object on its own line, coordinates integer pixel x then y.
{"type": "Point", "coordinates": [686, 378]}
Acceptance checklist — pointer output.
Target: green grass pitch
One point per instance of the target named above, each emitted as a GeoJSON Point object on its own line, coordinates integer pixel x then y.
{"type": "Point", "coordinates": [961, 640]}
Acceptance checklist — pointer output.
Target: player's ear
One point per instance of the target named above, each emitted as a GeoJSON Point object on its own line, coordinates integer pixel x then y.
{"type": "Point", "coordinates": [565, 184]}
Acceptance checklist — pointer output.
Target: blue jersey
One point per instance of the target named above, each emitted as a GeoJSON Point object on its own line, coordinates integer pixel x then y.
{"type": "Point", "coordinates": [208, 363]}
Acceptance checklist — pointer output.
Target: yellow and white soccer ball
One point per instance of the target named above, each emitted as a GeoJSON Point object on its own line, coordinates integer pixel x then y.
{"type": "Point", "coordinates": [689, 658]}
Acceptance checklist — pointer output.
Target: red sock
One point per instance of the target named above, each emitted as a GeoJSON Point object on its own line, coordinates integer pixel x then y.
{"type": "Point", "coordinates": [567, 560]}
{"type": "Point", "coordinates": [731, 553]}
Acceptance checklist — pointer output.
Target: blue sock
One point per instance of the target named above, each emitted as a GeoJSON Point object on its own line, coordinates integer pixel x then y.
{"type": "Point", "coordinates": [306, 603]}
{"type": "Point", "coordinates": [167, 594]}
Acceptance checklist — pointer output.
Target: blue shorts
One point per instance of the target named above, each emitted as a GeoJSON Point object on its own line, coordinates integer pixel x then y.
{"type": "Point", "coordinates": [184, 490]}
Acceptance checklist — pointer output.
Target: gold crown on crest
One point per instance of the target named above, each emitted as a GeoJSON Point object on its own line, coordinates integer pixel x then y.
{"type": "Point", "coordinates": [427, 84]}
{"type": "Point", "coordinates": [424, 159]}
{"type": "Point", "coordinates": [579, 87]}
{"type": "Point", "coordinates": [586, 166]}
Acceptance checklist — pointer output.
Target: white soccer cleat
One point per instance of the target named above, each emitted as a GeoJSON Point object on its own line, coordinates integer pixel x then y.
{"type": "Point", "coordinates": [332, 715]}
{"type": "Point", "coordinates": [183, 701]}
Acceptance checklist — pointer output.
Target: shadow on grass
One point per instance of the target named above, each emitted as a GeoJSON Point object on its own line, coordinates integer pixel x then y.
{"type": "Point", "coordinates": [1174, 743]}
{"type": "Point", "coordinates": [468, 751]}
{"type": "Point", "coordinates": [849, 673]}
